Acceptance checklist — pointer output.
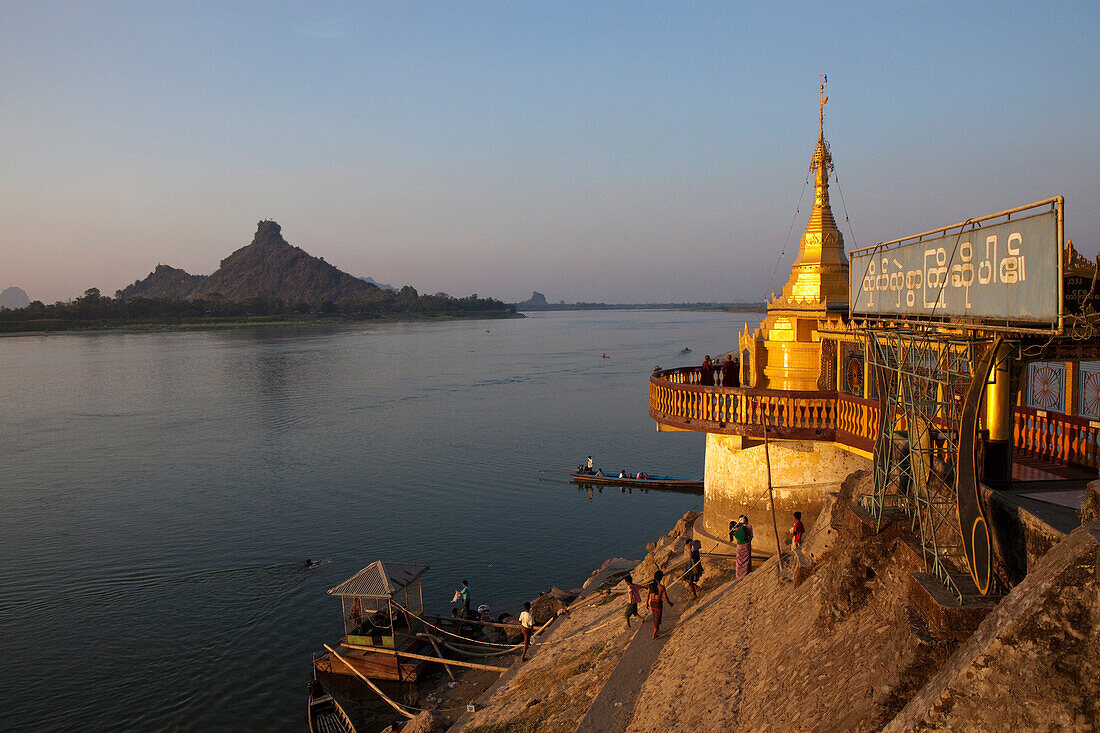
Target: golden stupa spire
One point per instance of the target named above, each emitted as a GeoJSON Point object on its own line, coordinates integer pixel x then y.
{"type": "Point", "coordinates": [820, 272]}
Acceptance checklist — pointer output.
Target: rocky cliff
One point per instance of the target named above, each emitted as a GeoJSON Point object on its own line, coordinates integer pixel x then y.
{"type": "Point", "coordinates": [271, 268]}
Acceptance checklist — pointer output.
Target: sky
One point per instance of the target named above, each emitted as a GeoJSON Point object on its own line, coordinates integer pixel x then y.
{"type": "Point", "coordinates": [620, 152]}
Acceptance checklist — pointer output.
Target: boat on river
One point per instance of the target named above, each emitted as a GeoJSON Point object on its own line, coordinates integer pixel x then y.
{"type": "Point", "coordinates": [382, 607]}
{"type": "Point", "coordinates": [325, 714]}
{"type": "Point", "coordinates": [680, 483]}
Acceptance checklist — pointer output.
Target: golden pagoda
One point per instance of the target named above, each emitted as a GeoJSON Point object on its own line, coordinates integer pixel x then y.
{"type": "Point", "coordinates": [785, 351]}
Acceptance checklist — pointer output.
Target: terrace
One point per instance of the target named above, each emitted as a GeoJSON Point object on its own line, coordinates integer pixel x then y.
{"type": "Point", "coordinates": [677, 401]}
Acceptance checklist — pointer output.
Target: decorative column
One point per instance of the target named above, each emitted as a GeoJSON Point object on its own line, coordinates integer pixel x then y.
{"type": "Point", "coordinates": [998, 419]}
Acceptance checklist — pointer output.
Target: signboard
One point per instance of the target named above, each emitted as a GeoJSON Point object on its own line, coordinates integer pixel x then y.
{"type": "Point", "coordinates": [1002, 272]}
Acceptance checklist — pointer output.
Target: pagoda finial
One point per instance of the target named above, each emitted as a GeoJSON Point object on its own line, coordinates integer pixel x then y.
{"type": "Point", "coordinates": [822, 101]}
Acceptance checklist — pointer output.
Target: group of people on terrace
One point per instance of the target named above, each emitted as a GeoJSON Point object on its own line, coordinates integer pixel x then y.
{"type": "Point", "coordinates": [729, 371]}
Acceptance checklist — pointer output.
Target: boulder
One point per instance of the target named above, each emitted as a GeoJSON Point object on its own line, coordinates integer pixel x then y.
{"type": "Point", "coordinates": [427, 722]}
{"type": "Point", "coordinates": [564, 596]}
{"type": "Point", "coordinates": [546, 607]}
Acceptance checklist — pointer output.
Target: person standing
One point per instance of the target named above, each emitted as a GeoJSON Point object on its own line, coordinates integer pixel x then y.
{"type": "Point", "coordinates": [526, 627]}
{"type": "Point", "coordinates": [588, 465]}
{"type": "Point", "coordinates": [739, 535]}
{"type": "Point", "coordinates": [706, 377]}
{"type": "Point", "coordinates": [464, 596]}
{"type": "Point", "coordinates": [692, 567]}
{"type": "Point", "coordinates": [730, 376]}
{"type": "Point", "coordinates": [655, 600]}
{"type": "Point", "coordinates": [797, 531]}
{"type": "Point", "coordinates": [633, 598]}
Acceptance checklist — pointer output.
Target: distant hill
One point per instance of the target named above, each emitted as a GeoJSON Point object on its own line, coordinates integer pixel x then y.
{"type": "Point", "coordinates": [384, 286]}
{"type": "Point", "coordinates": [267, 282]}
{"type": "Point", "coordinates": [269, 268]}
{"type": "Point", "coordinates": [537, 301]}
{"type": "Point", "coordinates": [14, 298]}
{"type": "Point", "coordinates": [164, 282]}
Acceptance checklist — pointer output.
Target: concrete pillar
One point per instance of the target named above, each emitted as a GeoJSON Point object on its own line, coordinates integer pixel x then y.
{"type": "Point", "coordinates": [998, 419]}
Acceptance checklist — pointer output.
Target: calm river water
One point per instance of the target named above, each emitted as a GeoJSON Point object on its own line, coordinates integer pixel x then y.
{"type": "Point", "coordinates": [160, 492]}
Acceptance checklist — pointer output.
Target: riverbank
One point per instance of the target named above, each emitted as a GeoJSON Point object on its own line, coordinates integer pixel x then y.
{"type": "Point", "coordinates": [844, 640]}
{"type": "Point", "coordinates": [45, 326]}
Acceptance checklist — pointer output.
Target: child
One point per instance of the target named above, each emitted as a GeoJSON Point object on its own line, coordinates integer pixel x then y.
{"type": "Point", "coordinates": [796, 531]}
{"type": "Point", "coordinates": [693, 570]}
{"type": "Point", "coordinates": [657, 596]}
{"type": "Point", "coordinates": [633, 598]}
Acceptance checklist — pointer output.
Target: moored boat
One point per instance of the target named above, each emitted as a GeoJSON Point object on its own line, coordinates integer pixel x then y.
{"type": "Point", "coordinates": [382, 605]}
{"type": "Point", "coordinates": [325, 714]}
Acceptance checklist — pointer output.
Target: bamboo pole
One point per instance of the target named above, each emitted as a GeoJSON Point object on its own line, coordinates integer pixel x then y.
{"type": "Point", "coordinates": [461, 621]}
{"type": "Point", "coordinates": [771, 496]}
{"type": "Point", "coordinates": [374, 687]}
{"type": "Point", "coordinates": [410, 655]}
{"type": "Point", "coordinates": [439, 651]}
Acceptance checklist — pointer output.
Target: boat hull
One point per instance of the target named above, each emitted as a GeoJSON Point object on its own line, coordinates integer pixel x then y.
{"type": "Point", "coordinates": [653, 482]}
{"type": "Point", "coordinates": [325, 714]}
{"type": "Point", "coordinates": [373, 665]}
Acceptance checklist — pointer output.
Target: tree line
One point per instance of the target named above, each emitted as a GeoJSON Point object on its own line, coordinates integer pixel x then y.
{"type": "Point", "coordinates": [95, 307]}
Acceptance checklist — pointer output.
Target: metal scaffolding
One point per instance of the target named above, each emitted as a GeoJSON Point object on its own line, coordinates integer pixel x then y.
{"type": "Point", "coordinates": [922, 377]}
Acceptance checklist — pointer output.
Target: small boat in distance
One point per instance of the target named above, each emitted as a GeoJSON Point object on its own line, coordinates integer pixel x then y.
{"type": "Point", "coordinates": [685, 350]}
{"type": "Point", "coordinates": [325, 714]}
{"type": "Point", "coordinates": [650, 481]}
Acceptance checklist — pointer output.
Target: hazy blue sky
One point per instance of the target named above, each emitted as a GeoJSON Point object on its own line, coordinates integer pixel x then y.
{"type": "Point", "coordinates": [621, 152]}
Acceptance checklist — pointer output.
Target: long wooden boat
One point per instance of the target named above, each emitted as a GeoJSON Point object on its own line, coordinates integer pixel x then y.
{"type": "Point", "coordinates": [655, 482]}
{"type": "Point", "coordinates": [325, 714]}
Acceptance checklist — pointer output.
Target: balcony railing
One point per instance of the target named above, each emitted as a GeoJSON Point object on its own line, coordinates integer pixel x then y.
{"type": "Point", "coordinates": [1056, 437]}
{"type": "Point", "coordinates": [677, 400]}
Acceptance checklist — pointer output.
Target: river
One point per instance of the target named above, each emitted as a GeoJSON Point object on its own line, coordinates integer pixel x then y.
{"type": "Point", "coordinates": [161, 492]}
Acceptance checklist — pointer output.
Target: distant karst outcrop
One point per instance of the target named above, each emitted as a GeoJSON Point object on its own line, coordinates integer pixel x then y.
{"type": "Point", "coordinates": [164, 282]}
{"type": "Point", "coordinates": [537, 300]}
{"type": "Point", "coordinates": [384, 286]}
{"type": "Point", "coordinates": [14, 298]}
{"type": "Point", "coordinates": [270, 268]}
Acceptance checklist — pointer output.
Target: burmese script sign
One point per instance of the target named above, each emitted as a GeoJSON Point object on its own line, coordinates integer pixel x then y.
{"type": "Point", "coordinates": [1004, 272]}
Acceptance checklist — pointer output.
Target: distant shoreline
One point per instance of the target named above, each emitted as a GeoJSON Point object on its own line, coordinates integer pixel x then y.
{"type": "Point", "coordinates": [728, 307]}
{"type": "Point", "coordinates": [49, 326]}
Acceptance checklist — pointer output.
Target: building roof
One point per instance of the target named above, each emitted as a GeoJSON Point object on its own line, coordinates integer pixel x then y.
{"type": "Point", "coordinates": [380, 579]}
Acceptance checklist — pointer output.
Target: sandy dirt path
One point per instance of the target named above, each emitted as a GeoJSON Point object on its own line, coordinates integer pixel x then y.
{"type": "Point", "coordinates": [613, 708]}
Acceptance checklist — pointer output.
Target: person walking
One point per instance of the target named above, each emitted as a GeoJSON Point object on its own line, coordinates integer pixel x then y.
{"type": "Point", "coordinates": [690, 575]}
{"type": "Point", "coordinates": [633, 598]}
{"type": "Point", "coordinates": [655, 600]}
{"type": "Point", "coordinates": [526, 627]}
{"type": "Point", "coordinates": [797, 530]}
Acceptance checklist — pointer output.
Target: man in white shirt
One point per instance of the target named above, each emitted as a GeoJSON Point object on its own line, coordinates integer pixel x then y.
{"type": "Point", "coordinates": [527, 627]}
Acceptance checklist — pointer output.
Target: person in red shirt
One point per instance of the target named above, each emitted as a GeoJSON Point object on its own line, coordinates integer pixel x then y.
{"type": "Point", "coordinates": [706, 375]}
{"type": "Point", "coordinates": [730, 372]}
{"type": "Point", "coordinates": [797, 530]}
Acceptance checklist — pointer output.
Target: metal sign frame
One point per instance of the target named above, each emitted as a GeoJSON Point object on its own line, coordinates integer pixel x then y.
{"type": "Point", "coordinates": [1008, 322]}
